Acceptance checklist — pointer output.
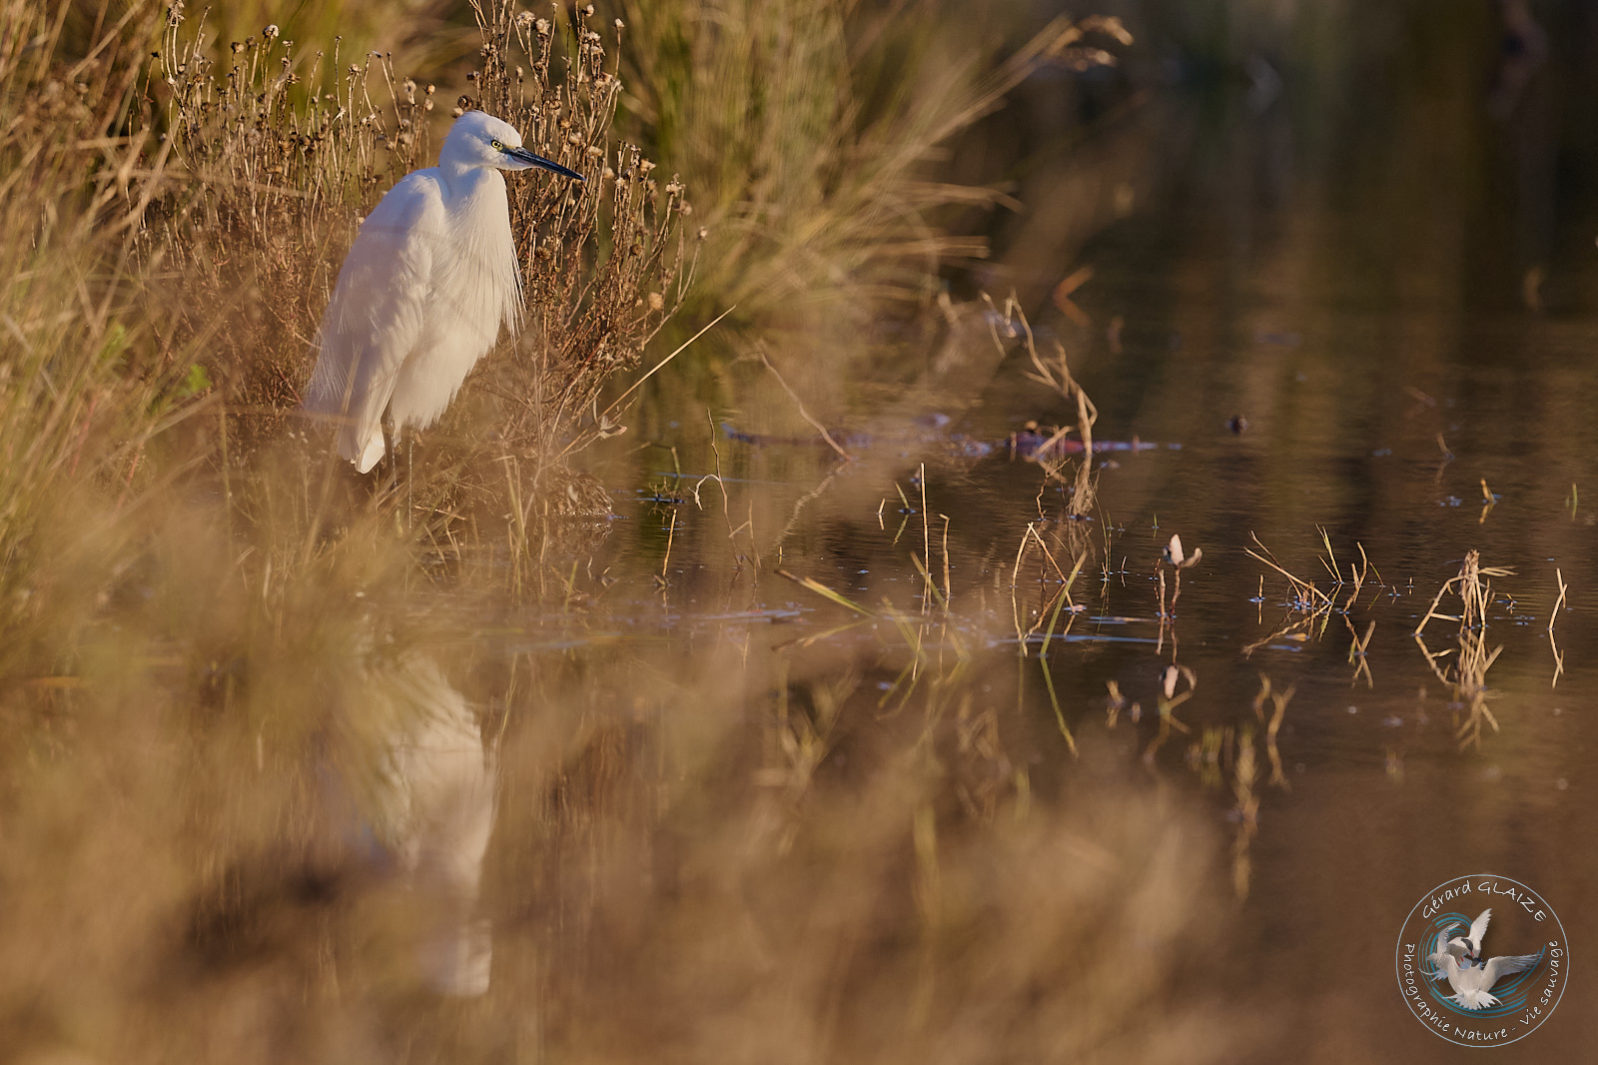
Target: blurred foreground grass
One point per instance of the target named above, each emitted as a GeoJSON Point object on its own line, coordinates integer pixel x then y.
{"type": "Point", "coordinates": [209, 631]}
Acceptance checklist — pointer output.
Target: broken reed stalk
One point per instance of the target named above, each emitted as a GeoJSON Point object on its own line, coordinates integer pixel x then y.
{"type": "Point", "coordinates": [800, 406]}
{"type": "Point", "coordinates": [1559, 603]}
{"type": "Point", "coordinates": [1358, 651]}
{"type": "Point", "coordinates": [1056, 376]}
{"type": "Point", "coordinates": [1278, 701]}
{"type": "Point", "coordinates": [826, 593]}
{"type": "Point", "coordinates": [1474, 593]}
{"type": "Point", "coordinates": [1559, 656]}
{"type": "Point", "coordinates": [1062, 598]}
{"type": "Point", "coordinates": [1304, 591]}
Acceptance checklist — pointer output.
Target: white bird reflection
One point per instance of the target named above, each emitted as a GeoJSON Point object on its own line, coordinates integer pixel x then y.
{"type": "Point", "coordinates": [415, 801]}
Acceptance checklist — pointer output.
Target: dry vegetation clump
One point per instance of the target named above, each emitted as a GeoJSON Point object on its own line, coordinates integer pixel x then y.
{"type": "Point", "coordinates": [266, 196]}
{"type": "Point", "coordinates": [608, 263]}
{"type": "Point", "coordinates": [804, 880]}
{"type": "Point", "coordinates": [200, 629]}
{"type": "Point", "coordinates": [173, 218]}
{"type": "Point", "coordinates": [839, 903]}
{"type": "Point", "coordinates": [173, 584]}
{"type": "Point", "coordinates": [815, 133]}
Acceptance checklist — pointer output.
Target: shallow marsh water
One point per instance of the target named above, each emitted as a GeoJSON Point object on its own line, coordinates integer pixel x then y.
{"type": "Point", "coordinates": [1392, 379]}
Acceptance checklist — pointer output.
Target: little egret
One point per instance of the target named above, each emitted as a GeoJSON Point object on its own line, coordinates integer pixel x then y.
{"type": "Point", "coordinates": [422, 292]}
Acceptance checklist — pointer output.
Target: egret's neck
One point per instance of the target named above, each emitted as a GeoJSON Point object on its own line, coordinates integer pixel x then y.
{"type": "Point", "coordinates": [467, 182]}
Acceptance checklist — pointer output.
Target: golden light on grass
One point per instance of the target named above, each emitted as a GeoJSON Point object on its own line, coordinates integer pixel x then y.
{"type": "Point", "coordinates": [735, 849]}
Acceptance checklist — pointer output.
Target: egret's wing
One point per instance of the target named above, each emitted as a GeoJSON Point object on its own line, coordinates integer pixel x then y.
{"type": "Point", "coordinates": [1478, 928]}
{"type": "Point", "coordinates": [1507, 965]}
{"type": "Point", "coordinates": [377, 312]}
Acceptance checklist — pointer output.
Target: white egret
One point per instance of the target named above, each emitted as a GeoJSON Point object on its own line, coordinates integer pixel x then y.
{"type": "Point", "coordinates": [422, 293]}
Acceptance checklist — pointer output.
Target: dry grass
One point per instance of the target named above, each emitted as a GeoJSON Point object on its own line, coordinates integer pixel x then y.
{"type": "Point", "coordinates": [818, 133]}
{"type": "Point", "coordinates": [1466, 674]}
{"type": "Point", "coordinates": [262, 197]}
{"type": "Point", "coordinates": [743, 853]}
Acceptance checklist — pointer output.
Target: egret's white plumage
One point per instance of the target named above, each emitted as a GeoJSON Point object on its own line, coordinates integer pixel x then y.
{"type": "Point", "coordinates": [422, 294]}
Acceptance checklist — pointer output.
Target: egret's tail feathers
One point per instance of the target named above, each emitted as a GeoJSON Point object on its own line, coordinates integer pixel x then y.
{"type": "Point", "coordinates": [1476, 1000]}
{"type": "Point", "coordinates": [366, 455]}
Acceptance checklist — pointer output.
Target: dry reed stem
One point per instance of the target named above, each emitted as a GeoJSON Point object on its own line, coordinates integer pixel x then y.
{"type": "Point", "coordinates": [1303, 591]}
{"type": "Point", "coordinates": [1474, 593]}
{"type": "Point", "coordinates": [1559, 603]}
{"type": "Point", "coordinates": [765, 360]}
{"type": "Point", "coordinates": [1553, 616]}
{"type": "Point", "coordinates": [1279, 701]}
{"type": "Point", "coordinates": [1358, 652]}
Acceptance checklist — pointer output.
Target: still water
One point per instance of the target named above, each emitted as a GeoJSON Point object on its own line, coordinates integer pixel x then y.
{"type": "Point", "coordinates": [1342, 360]}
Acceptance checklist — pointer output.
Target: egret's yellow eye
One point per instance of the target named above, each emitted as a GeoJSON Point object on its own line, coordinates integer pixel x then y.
{"type": "Point", "coordinates": [498, 147]}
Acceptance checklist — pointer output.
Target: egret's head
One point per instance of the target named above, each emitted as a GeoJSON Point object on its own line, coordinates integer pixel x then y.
{"type": "Point", "coordinates": [477, 139]}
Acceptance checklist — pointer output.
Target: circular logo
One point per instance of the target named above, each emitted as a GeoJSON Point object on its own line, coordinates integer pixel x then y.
{"type": "Point", "coordinates": [1482, 960]}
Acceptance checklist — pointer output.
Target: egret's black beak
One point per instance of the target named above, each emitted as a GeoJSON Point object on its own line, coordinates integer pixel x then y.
{"type": "Point", "coordinates": [543, 164]}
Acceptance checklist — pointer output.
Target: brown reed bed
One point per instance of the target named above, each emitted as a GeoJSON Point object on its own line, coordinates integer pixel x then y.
{"type": "Point", "coordinates": [722, 849]}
